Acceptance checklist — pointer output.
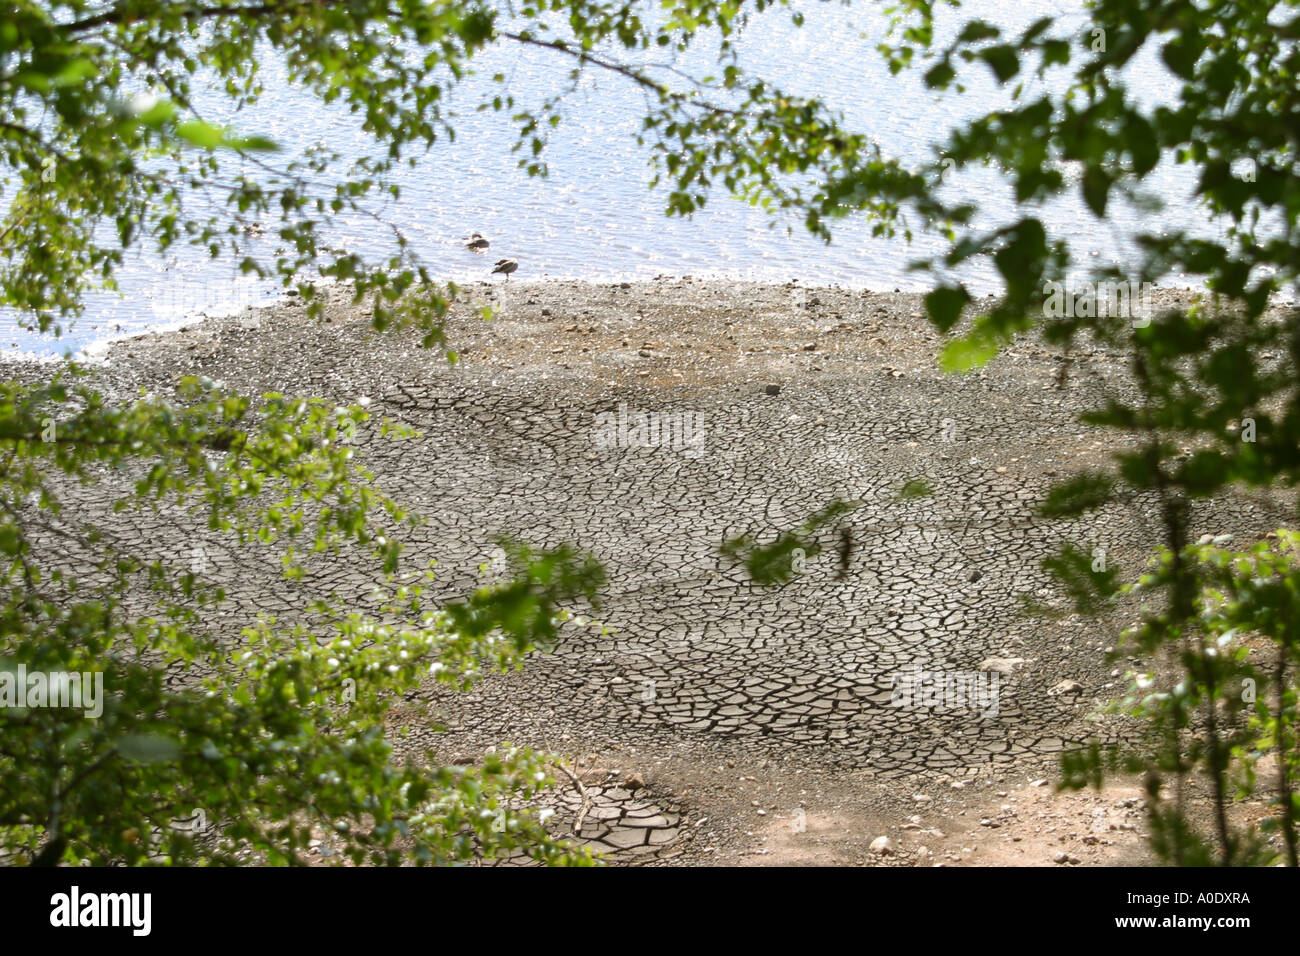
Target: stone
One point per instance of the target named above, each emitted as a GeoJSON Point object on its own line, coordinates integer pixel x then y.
{"type": "Point", "coordinates": [772, 389]}
{"type": "Point", "coordinates": [633, 781]}
{"type": "Point", "coordinates": [1067, 687]}
{"type": "Point", "coordinates": [882, 846]}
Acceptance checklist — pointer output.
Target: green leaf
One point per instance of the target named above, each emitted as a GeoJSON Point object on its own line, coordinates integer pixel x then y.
{"type": "Point", "coordinates": [1073, 497]}
{"type": "Point", "coordinates": [1181, 53]}
{"type": "Point", "coordinates": [74, 72]}
{"type": "Point", "coordinates": [1096, 190]}
{"type": "Point", "coordinates": [978, 30]}
{"type": "Point", "coordinates": [253, 144]}
{"type": "Point", "coordinates": [161, 112]}
{"type": "Point", "coordinates": [940, 75]}
{"type": "Point", "coordinates": [945, 305]}
{"type": "Point", "coordinates": [1002, 60]}
{"type": "Point", "coordinates": [201, 134]}
{"type": "Point", "coordinates": [962, 355]}
{"type": "Point", "coordinates": [915, 488]}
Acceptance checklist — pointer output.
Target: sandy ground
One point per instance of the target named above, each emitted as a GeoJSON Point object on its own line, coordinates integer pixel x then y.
{"type": "Point", "coordinates": [720, 722]}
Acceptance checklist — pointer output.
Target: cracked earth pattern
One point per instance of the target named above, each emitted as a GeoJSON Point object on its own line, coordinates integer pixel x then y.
{"type": "Point", "coordinates": [699, 660]}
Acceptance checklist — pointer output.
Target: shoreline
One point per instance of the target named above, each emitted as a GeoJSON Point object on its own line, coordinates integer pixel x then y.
{"type": "Point", "coordinates": [96, 352]}
{"type": "Point", "coordinates": [779, 696]}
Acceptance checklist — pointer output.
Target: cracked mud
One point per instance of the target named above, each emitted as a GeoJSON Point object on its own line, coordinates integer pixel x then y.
{"type": "Point", "coordinates": [649, 423]}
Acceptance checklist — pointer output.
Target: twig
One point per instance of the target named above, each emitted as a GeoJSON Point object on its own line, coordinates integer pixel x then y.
{"type": "Point", "coordinates": [586, 799]}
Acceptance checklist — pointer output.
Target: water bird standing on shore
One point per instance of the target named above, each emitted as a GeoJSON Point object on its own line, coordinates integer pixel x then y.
{"type": "Point", "coordinates": [476, 243]}
{"type": "Point", "coordinates": [506, 266]}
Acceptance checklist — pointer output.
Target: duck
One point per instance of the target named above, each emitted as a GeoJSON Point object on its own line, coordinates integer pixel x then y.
{"type": "Point", "coordinates": [505, 266]}
{"type": "Point", "coordinates": [476, 243]}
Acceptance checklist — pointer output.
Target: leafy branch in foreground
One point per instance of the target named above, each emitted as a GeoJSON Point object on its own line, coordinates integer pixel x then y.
{"type": "Point", "coordinates": [103, 128]}
{"type": "Point", "coordinates": [100, 129]}
{"type": "Point", "coordinates": [1229, 711]}
{"type": "Point", "coordinates": [783, 558]}
{"type": "Point", "coordinates": [274, 735]}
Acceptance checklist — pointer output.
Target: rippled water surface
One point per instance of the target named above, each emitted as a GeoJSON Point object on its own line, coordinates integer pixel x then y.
{"type": "Point", "coordinates": [595, 218]}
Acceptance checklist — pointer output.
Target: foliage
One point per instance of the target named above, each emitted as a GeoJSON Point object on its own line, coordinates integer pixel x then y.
{"type": "Point", "coordinates": [786, 556]}
{"type": "Point", "coordinates": [1217, 402]}
{"type": "Point", "coordinates": [98, 126]}
{"type": "Point", "coordinates": [101, 126]}
{"type": "Point", "coordinates": [280, 731]}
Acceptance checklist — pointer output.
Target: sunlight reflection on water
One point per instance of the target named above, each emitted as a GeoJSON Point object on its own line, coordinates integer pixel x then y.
{"type": "Point", "coordinates": [594, 218]}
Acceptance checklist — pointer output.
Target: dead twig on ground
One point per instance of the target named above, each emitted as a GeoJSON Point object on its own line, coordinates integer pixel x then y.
{"type": "Point", "coordinates": [582, 792]}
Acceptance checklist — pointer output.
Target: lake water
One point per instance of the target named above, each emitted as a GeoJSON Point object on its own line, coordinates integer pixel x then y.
{"type": "Point", "coordinates": [594, 218]}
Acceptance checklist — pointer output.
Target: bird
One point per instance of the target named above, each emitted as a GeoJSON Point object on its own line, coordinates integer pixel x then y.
{"type": "Point", "coordinates": [476, 243]}
{"type": "Point", "coordinates": [505, 266]}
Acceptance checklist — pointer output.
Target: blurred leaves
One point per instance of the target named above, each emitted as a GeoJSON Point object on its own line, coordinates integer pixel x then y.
{"type": "Point", "coordinates": [776, 562]}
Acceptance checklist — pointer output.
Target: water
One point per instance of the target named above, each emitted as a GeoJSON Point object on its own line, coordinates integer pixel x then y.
{"type": "Point", "coordinates": [594, 218]}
